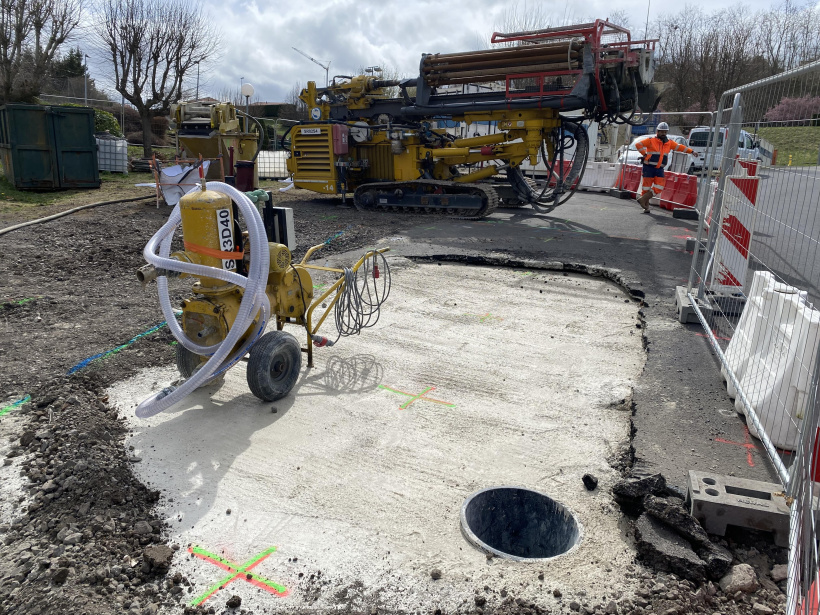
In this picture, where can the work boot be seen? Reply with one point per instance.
(643, 200)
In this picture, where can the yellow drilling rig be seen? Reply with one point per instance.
(381, 141)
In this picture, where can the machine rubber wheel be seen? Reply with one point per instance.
(187, 361)
(273, 365)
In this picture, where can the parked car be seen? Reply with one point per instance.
(748, 148)
(630, 155)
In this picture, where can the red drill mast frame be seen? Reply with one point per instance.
(593, 35)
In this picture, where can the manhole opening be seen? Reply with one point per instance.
(519, 524)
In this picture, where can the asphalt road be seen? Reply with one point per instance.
(787, 227)
(683, 418)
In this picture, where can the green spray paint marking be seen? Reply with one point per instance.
(20, 302)
(107, 353)
(524, 273)
(487, 316)
(12, 406)
(419, 397)
(236, 572)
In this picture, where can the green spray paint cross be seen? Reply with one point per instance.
(420, 397)
(236, 572)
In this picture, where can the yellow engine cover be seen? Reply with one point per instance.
(312, 161)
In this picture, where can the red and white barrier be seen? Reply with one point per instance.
(731, 259)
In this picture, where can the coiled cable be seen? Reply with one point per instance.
(362, 296)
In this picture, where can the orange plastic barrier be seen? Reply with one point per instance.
(687, 194)
(629, 178)
(669, 189)
(632, 178)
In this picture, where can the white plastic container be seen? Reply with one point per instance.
(778, 374)
(739, 350)
(763, 311)
(112, 155)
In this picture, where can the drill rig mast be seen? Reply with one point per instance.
(389, 151)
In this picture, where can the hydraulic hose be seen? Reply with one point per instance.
(254, 301)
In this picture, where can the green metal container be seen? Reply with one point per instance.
(48, 148)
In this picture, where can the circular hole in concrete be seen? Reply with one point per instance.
(709, 481)
(712, 492)
(519, 524)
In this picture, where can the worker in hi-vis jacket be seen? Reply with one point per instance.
(654, 152)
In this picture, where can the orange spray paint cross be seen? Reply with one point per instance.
(749, 446)
(420, 397)
(236, 571)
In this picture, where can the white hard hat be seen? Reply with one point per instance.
(663, 126)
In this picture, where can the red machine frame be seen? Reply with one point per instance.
(592, 34)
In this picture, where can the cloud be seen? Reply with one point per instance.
(257, 36)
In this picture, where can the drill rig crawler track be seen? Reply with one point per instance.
(387, 140)
(459, 200)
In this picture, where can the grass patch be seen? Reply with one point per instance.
(113, 186)
(799, 142)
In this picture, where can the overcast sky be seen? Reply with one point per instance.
(258, 35)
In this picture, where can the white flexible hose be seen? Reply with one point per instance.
(254, 301)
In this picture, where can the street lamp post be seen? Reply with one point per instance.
(197, 79)
(85, 74)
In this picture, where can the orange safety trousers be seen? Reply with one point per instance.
(655, 184)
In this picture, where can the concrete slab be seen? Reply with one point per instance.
(358, 483)
(683, 418)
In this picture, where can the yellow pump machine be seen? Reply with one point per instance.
(244, 280)
(391, 152)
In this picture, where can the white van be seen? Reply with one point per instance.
(747, 147)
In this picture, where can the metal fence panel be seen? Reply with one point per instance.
(755, 282)
(272, 164)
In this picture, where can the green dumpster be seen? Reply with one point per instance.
(48, 147)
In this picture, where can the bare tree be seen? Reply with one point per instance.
(152, 46)
(31, 33)
(299, 109)
(235, 97)
(704, 54)
(621, 18)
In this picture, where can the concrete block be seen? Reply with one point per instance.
(718, 501)
(691, 242)
(621, 194)
(686, 313)
(685, 213)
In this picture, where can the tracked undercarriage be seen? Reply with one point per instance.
(459, 200)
